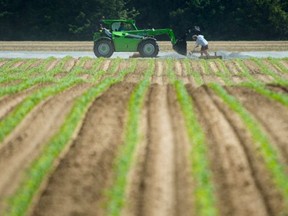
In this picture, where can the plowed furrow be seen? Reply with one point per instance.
(9, 102)
(157, 77)
(159, 181)
(138, 74)
(182, 148)
(273, 116)
(22, 146)
(271, 197)
(78, 185)
(257, 73)
(236, 188)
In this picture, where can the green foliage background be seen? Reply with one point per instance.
(78, 19)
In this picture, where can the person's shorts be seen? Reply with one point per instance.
(203, 48)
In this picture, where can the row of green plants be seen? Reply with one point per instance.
(204, 196)
(261, 87)
(261, 141)
(28, 82)
(41, 168)
(267, 150)
(10, 121)
(124, 160)
(23, 71)
(253, 83)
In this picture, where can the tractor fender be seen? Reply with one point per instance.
(108, 38)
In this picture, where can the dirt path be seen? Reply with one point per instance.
(159, 193)
(20, 148)
(236, 188)
(270, 200)
(160, 182)
(78, 184)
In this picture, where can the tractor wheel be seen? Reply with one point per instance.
(103, 48)
(148, 48)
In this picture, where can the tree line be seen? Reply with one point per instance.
(78, 19)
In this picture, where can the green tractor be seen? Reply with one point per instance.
(124, 36)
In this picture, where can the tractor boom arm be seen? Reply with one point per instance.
(180, 45)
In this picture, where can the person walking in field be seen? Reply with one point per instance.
(201, 41)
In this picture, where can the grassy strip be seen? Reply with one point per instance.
(196, 74)
(41, 167)
(205, 201)
(263, 145)
(124, 161)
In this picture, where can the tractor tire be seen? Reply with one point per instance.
(148, 48)
(103, 48)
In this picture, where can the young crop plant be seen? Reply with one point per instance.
(205, 201)
(44, 77)
(279, 80)
(124, 160)
(195, 74)
(24, 74)
(278, 64)
(223, 72)
(22, 68)
(17, 115)
(260, 87)
(7, 66)
(267, 151)
(40, 169)
(207, 70)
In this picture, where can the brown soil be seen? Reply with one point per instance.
(235, 185)
(262, 183)
(138, 74)
(78, 184)
(272, 115)
(160, 75)
(179, 71)
(3, 62)
(23, 145)
(275, 69)
(256, 72)
(160, 181)
(9, 102)
(52, 64)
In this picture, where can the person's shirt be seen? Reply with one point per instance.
(201, 40)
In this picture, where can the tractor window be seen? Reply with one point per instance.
(118, 26)
(115, 26)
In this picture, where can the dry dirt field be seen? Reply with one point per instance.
(148, 137)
